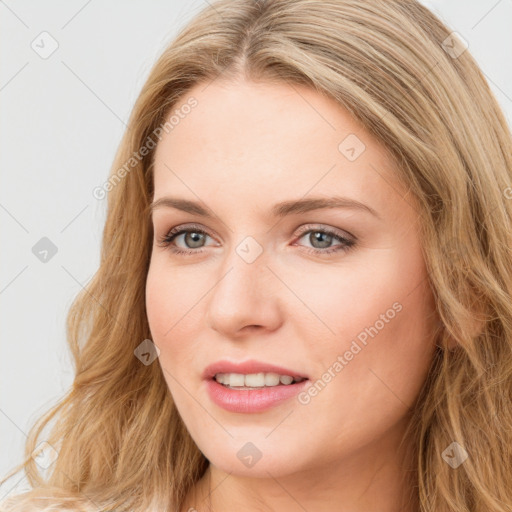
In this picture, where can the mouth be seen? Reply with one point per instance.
(254, 381)
(253, 392)
(251, 386)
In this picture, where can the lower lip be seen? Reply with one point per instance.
(251, 400)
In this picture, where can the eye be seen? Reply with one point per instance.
(193, 236)
(320, 239)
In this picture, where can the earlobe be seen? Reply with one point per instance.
(477, 326)
(477, 320)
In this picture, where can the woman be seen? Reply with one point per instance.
(304, 297)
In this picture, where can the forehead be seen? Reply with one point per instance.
(246, 141)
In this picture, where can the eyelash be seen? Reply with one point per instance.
(166, 241)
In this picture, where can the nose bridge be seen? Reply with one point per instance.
(245, 292)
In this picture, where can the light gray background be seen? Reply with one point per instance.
(62, 119)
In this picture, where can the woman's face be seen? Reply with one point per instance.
(277, 285)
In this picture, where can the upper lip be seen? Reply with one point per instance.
(247, 367)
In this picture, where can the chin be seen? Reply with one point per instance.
(256, 458)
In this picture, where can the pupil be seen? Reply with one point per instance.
(196, 239)
(317, 237)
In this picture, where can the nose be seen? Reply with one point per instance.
(246, 296)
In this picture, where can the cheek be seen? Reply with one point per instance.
(374, 367)
(341, 303)
(169, 295)
(159, 302)
(174, 316)
(379, 316)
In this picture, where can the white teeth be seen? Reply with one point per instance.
(236, 379)
(286, 379)
(271, 379)
(254, 380)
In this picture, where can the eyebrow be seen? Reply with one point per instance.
(278, 210)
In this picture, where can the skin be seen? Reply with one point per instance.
(243, 148)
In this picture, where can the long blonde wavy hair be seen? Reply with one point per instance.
(399, 70)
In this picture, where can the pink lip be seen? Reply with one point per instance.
(247, 400)
(246, 367)
(250, 400)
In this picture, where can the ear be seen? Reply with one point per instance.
(478, 320)
(476, 323)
